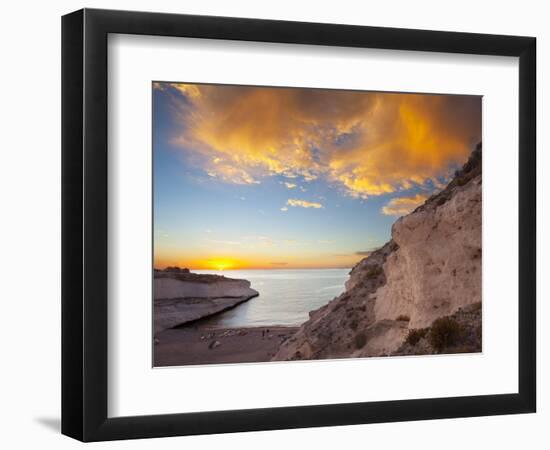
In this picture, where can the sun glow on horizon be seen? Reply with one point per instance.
(227, 264)
(251, 177)
(221, 264)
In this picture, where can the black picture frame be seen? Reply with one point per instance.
(84, 224)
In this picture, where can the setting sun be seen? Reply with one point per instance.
(277, 212)
(296, 178)
(220, 264)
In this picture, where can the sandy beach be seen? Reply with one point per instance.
(191, 345)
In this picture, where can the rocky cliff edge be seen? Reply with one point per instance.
(430, 269)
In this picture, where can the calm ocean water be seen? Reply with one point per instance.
(286, 296)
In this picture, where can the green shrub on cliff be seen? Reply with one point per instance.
(415, 335)
(444, 332)
(360, 340)
(374, 272)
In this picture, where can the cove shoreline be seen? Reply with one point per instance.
(196, 345)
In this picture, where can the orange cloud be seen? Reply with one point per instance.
(303, 203)
(367, 143)
(403, 205)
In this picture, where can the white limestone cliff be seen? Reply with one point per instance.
(166, 288)
(431, 268)
(180, 298)
(437, 268)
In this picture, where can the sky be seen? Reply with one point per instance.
(249, 177)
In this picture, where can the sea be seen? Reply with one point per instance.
(286, 296)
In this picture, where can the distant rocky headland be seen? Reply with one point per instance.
(182, 297)
(420, 293)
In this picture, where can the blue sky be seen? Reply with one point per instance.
(259, 178)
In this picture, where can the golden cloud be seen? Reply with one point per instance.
(403, 205)
(367, 143)
(290, 185)
(303, 203)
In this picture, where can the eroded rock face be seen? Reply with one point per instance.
(346, 327)
(431, 268)
(437, 268)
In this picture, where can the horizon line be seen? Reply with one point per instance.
(261, 268)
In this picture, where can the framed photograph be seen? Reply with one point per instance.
(273, 224)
